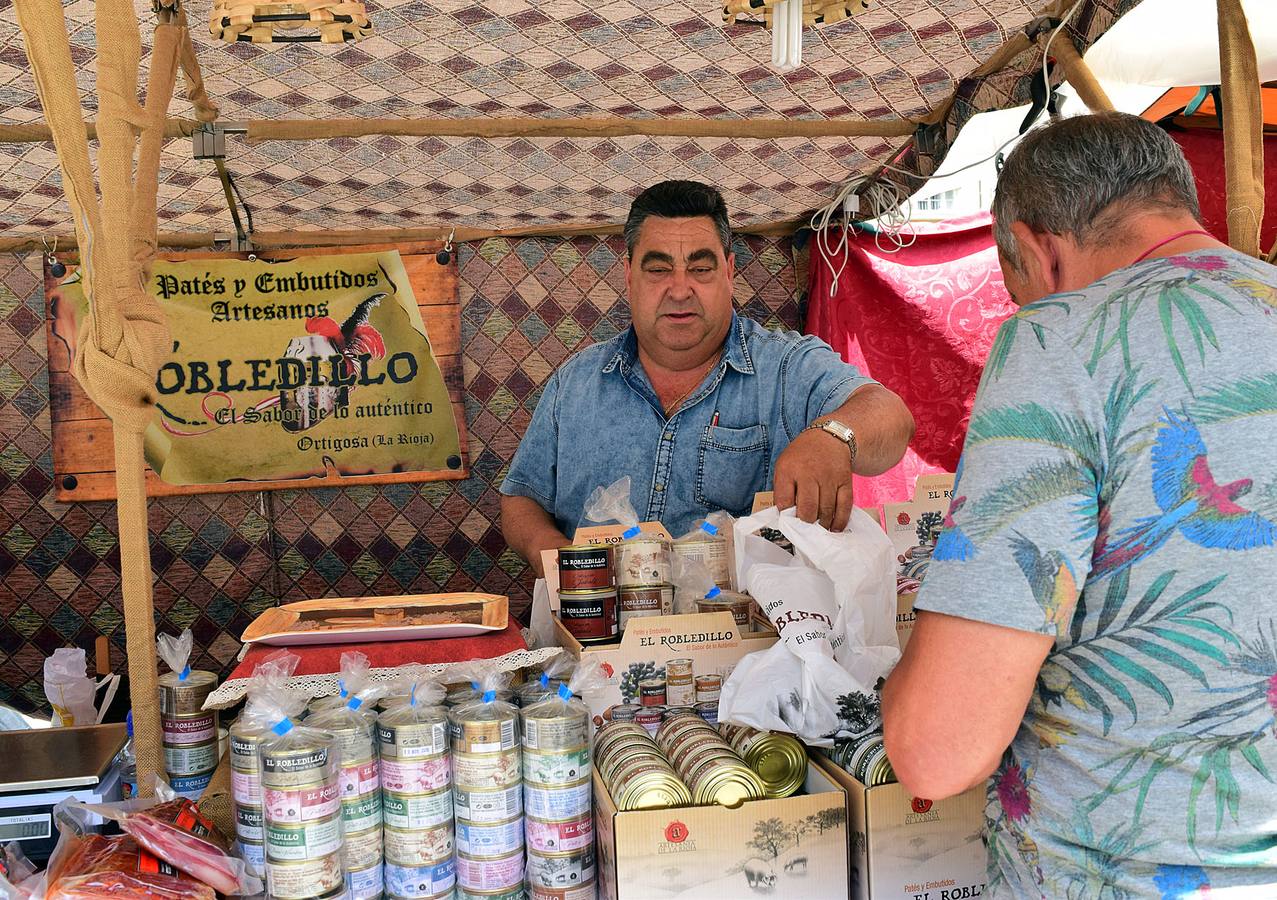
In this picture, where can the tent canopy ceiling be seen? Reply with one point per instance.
(554, 59)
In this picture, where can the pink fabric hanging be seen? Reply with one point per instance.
(921, 321)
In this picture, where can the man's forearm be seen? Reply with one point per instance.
(529, 529)
(883, 426)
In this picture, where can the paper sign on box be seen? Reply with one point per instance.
(913, 528)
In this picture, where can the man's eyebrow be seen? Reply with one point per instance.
(703, 255)
(656, 256)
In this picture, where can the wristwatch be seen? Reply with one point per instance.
(838, 430)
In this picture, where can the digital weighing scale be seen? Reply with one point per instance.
(41, 767)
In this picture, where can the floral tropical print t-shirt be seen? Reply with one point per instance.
(1118, 490)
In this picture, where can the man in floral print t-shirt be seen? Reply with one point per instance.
(1098, 629)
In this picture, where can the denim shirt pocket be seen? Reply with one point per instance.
(735, 464)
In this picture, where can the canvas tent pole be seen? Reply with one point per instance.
(1078, 74)
(1243, 128)
(123, 339)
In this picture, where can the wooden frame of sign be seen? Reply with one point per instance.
(83, 450)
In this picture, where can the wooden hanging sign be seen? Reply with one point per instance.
(300, 368)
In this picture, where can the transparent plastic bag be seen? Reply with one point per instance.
(69, 688)
(176, 651)
(692, 582)
(357, 692)
(612, 504)
(468, 736)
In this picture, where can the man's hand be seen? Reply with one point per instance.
(814, 474)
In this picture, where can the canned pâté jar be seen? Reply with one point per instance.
(711, 552)
(639, 601)
(560, 835)
(680, 685)
(586, 567)
(185, 696)
(551, 727)
(589, 616)
(643, 560)
(496, 805)
(561, 870)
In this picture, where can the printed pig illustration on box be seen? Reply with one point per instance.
(759, 874)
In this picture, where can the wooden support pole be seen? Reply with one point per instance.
(1078, 73)
(1243, 128)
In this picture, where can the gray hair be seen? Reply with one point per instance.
(1080, 176)
(678, 200)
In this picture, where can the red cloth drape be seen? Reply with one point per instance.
(921, 321)
(1204, 150)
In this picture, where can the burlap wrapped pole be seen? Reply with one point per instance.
(1243, 128)
(124, 339)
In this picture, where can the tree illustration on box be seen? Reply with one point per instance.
(770, 837)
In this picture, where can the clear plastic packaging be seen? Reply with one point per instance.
(692, 583)
(68, 687)
(612, 504)
(176, 652)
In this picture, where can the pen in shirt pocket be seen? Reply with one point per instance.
(714, 421)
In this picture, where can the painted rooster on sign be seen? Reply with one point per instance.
(1192, 502)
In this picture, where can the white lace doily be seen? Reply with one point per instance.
(231, 692)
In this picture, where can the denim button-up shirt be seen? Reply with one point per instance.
(599, 419)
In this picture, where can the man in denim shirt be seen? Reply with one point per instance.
(700, 407)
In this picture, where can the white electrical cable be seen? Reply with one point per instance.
(893, 212)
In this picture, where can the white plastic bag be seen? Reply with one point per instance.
(70, 689)
(833, 603)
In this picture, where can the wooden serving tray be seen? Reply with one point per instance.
(351, 620)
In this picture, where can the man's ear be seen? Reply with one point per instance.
(1039, 255)
(731, 267)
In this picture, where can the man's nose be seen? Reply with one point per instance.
(680, 284)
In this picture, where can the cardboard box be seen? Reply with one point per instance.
(906, 848)
(711, 641)
(795, 847)
(912, 528)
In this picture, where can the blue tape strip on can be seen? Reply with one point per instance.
(565, 692)
(631, 532)
(713, 592)
(184, 674)
(282, 727)
(489, 696)
(709, 528)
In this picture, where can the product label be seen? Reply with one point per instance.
(365, 884)
(497, 839)
(413, 741)
(555, 734)
(289, 762)
(195, 730)
(290, 881)
(254, 855)
(562, 871)
(248, 823)
(190, 760)
(490, 874)
(560, 837)
(420, 881)
(566, 802)
(483, 736)
(557, 768)
(244, 754)
(421, 847)
(580, 892)
(424, 811)
(293, 807)
(489, 806)
(361, 813)
(357, 780)
(486, 770)
(362, 848)
(246, 788)
(190, 786)
(417, 776)
(304, 842)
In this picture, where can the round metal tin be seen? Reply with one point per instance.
(361, 813)
(190, 759)
(185, 697)
(196, 729)
(248, 824)
(245, 740)
(556, 768)
(293, 843)
(708, 688)
(367, 883)
(643, 560)
(297, 766)
(622, 712)
(420, 846)
(584, 567)
(613, 731)
(559, 836)
(653, 790)
(362, 848)
(359, 779)
(729, 601)
(190, 786)
(246, 789)
(562, 802)
(488, 805)
(295, 806)
(779, 759)
(498, 730)
(354, 733)
(561, 870)
(487, 770)
(556, 726)
(416, 811)
(589, 616)
(420, 882)
(306, 880)
(499, 874)
(416, 776)
(652, 692)
(254, 855)
(576, 892)
(649, 717)
(425, 734)
(490, 839)
(711, 552)
(708, 711)
(640, 601)
(514, 893)
(680, 685)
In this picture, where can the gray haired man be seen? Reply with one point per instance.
(1098, 627)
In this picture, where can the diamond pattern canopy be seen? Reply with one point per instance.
(546, 59)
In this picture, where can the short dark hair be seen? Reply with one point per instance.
(678, 200)
(1080, 175)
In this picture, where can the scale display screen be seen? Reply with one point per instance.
(28, 827)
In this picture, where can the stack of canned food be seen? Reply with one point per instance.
(189, 733)
(359, 785)
(865, 759)
(643, 578)
(416, 796)
(246, 792)
(779, 759)
(587, 593)
(301, 807)
(708, 547)
(558, 799)
(487, 770)
(637, 775)
(711, 769)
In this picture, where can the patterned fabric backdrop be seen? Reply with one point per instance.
(220, 559)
